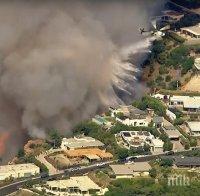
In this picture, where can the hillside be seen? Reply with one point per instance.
(170, 63)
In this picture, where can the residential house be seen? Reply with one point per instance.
(18, 171)
(171, 115)
(135, 169)
(186, 103)
(131, 116)
(197, 63)
(192, 31)
(156, 146)
(187, 162)
(135, 139)
(78, 185)
(80, 142)
(194, 128)
(158, 121)
(171, 131)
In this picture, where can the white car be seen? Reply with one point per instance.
(100, 164)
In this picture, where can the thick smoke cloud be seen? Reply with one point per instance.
(59, 60)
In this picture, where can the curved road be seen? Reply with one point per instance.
(8, 189)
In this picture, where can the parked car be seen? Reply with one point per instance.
(170, 153)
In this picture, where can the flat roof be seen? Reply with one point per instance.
(157, 142)
(197, 63)
(84, 183)
(194, 126)
(173, 133)
(131, 111)
(188, 101)
(168, 126)
(81, 142)
(17, 167)
(135, 133)
(193, 29)
(158, 119)
(129, 169)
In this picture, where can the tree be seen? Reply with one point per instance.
(173, 85)
(118, 127)
(119, 115)
(163, 137)
(193, 142)
(168, 78)
(86, 127)
(167, 145)
(153, 172)
(187, 65)
(153, 103)
(178, 121)
(166, 162)
(20, 153)
(177, 112)
(108, 113)
(122, 153)
(158, 47)
(187, 146)
(55, 137)
(146, 148)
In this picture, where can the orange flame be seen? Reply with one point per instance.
(3, 139)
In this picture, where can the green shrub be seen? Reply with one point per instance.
(168, 78)
(162, 57)
(178, 121)
(166, 162)
(151, 83)
(176, 37)
(167, 145)
(159, 79)
(153, 172)
(153, 103)
(173, 85)
(163, 70)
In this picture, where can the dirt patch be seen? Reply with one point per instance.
(101, 177)
(59, 161)
(193, 85)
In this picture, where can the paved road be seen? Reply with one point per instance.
(6, 190)
(77, 170)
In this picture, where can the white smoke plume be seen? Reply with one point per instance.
(59, 59)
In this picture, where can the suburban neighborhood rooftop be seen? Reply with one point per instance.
(84, 183)
(17, 167)
(81, 142)
(193, 29)
(194, 126)
(130, 168)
